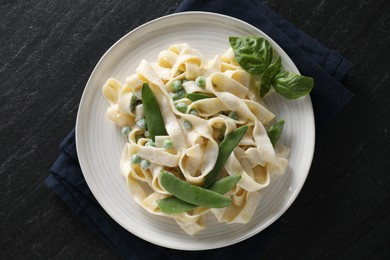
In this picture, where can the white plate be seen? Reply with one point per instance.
(100, 144)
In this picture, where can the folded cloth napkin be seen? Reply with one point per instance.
(326, 66)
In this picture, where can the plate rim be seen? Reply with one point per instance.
(243, 237)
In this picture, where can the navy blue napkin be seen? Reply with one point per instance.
(326, 66)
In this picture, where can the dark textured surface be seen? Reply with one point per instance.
(49, 48)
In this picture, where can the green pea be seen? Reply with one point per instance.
(150, 143)
(181, 106)
(178, 95)
(145, 164)
(192, 194)
(233, 115)
(200, 81)
(187, 124)
(221, 136)
(193, 112)
(173, 205)
(135, 159)
(226, 147)
(167, 144)
(176, 86)
(126, 130)
(141, 123)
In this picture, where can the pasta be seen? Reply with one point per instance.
(194, 131)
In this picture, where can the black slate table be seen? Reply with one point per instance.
(48, 50)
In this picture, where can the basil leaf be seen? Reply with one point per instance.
(291, 85)
(269, 76)
(275, 131)
(254, 54)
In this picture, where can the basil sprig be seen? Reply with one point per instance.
(268, 77)
(254, 54)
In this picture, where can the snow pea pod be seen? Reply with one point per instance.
(192, 194)
(173, 205)
(275, 131)
(226, 147)
(225, 184)
(197, 96)
(154, 119)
